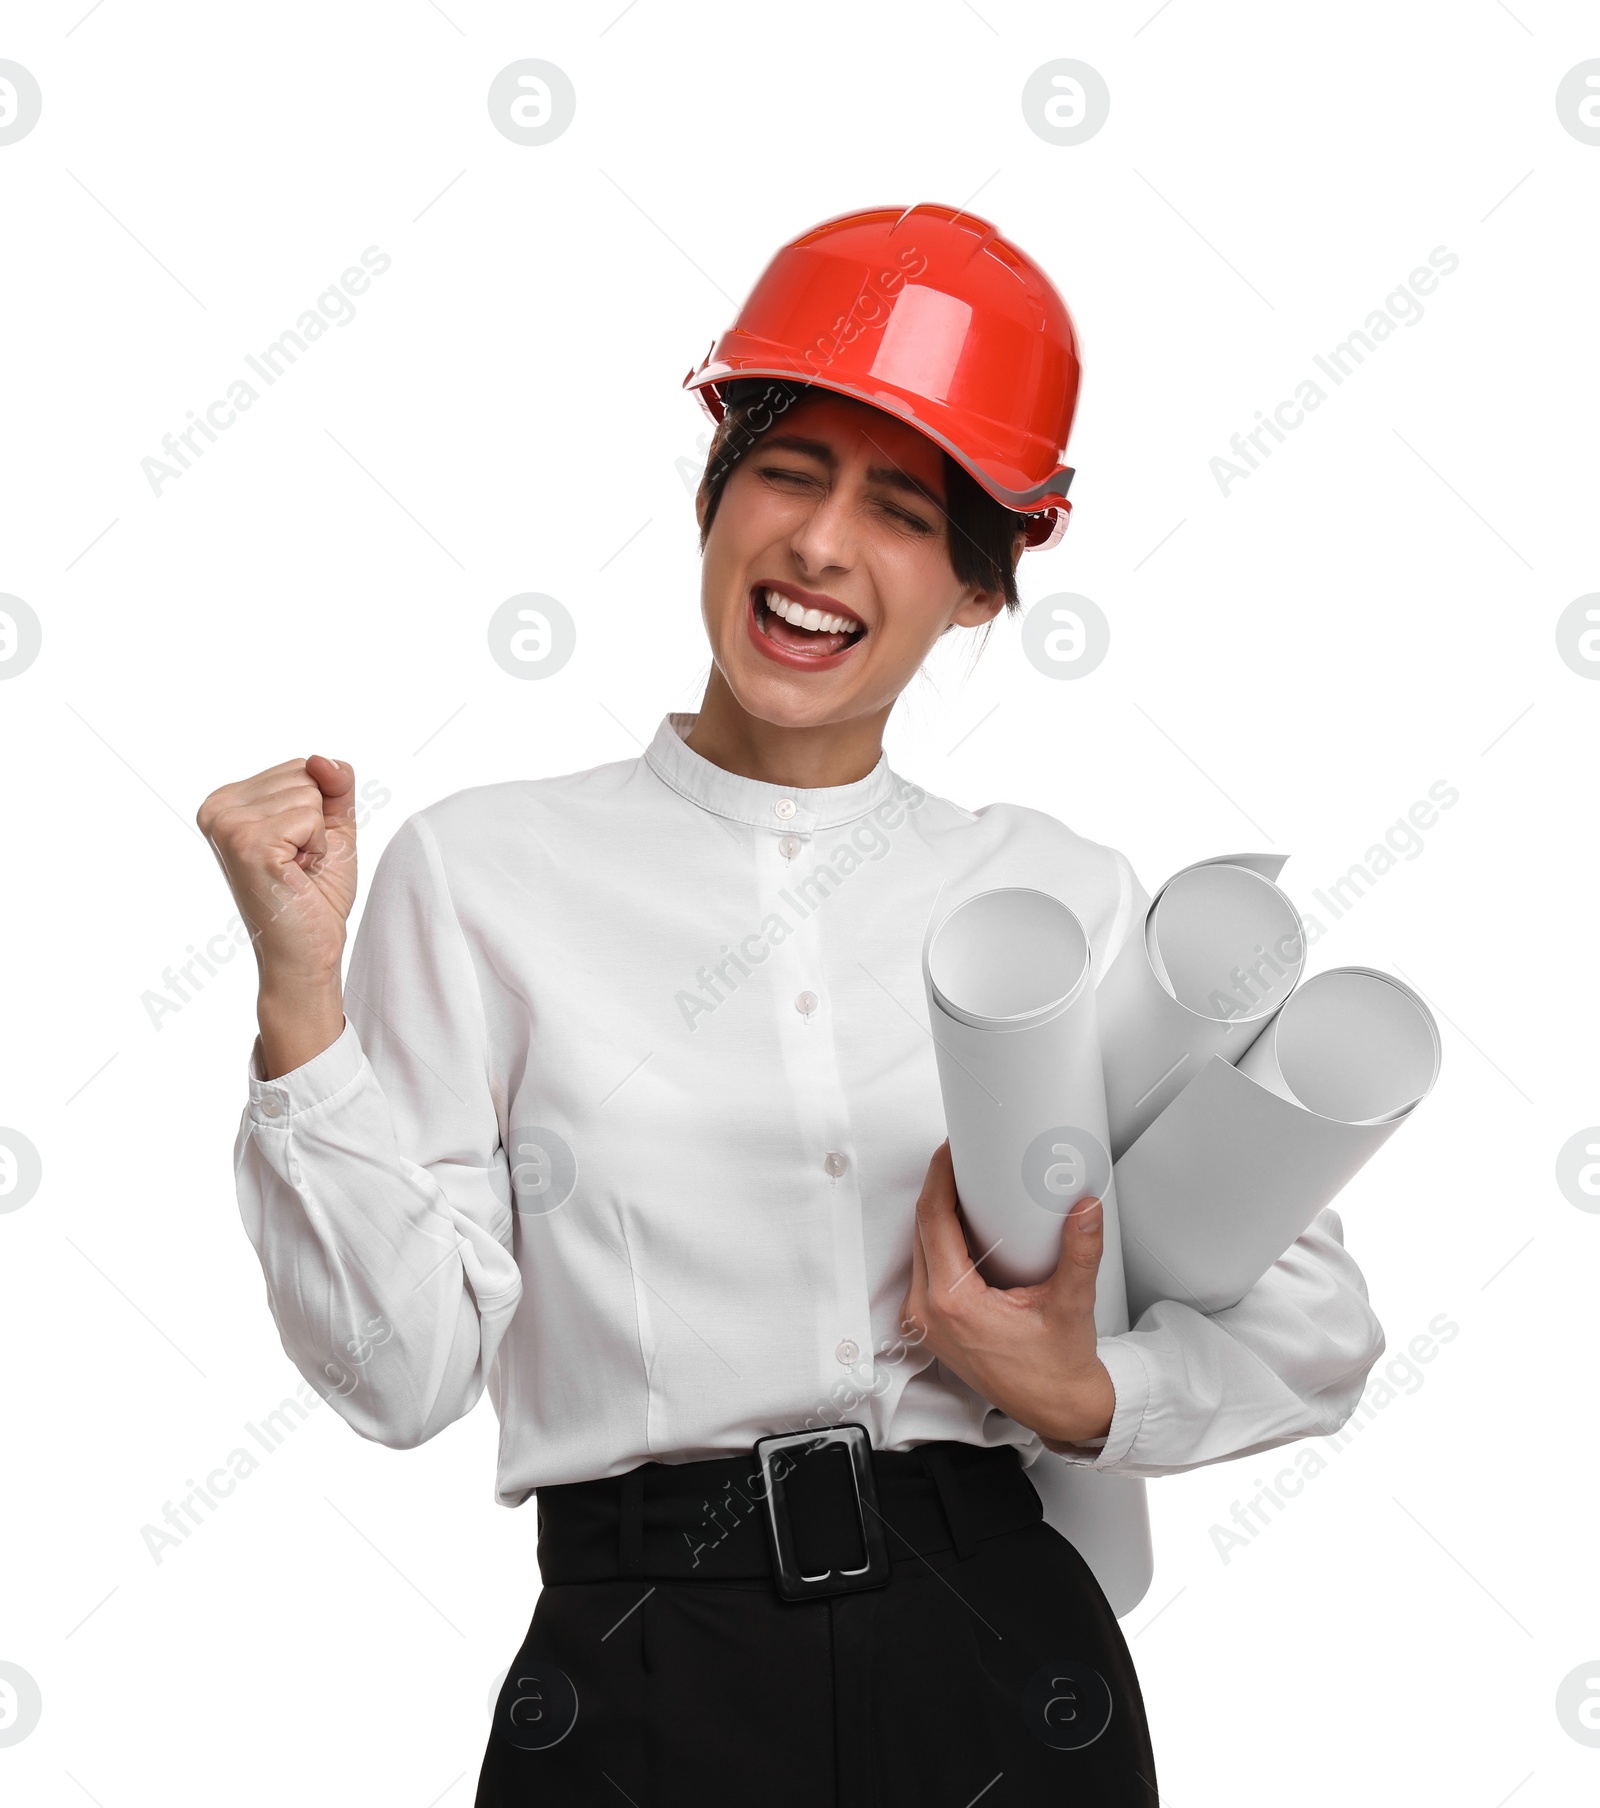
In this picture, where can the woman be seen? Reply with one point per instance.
(628, 1112)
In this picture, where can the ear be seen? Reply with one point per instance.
(700, 508)
(984, 605)
(981, 606)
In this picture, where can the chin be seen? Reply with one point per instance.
(808, 703)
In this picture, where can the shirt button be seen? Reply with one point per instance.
(788, 846)
(271, 1105)
(835, 1163)
(848, 1350)
(806, 1003)
(783, 808)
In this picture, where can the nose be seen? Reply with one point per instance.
(824, 539)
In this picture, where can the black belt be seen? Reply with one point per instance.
(818, 1513)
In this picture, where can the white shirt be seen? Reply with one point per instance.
(690, 1004)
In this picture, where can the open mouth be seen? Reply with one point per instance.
(797, 630)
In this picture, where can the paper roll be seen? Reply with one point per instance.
(1220, 949)
(1237, 1166)
(1107, 1517)
(1012, 1012)
(1007, 974)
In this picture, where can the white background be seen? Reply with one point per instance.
(1292, 665)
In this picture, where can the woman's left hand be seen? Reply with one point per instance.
(1028, 1350)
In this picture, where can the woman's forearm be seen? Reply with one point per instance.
(390, 1293)
(297, 1022)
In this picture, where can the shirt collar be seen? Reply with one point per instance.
(784, 809)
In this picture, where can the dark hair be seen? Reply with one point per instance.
(980, 532)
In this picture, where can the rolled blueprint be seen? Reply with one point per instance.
(1219, 951)
(1012, 1011)
(1236, 1167)
(1014, 1029)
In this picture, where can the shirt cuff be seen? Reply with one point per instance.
(312, 1083)
(1130, 1381)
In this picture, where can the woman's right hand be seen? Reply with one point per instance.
(286, 841)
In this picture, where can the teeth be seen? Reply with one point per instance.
(797, 615)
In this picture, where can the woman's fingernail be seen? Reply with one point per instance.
(1086, 1214)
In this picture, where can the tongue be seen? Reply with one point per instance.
(803, 640)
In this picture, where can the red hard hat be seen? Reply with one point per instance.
(930, 314)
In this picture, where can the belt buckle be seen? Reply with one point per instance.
(778, 1456)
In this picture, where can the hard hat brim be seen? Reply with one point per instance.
(1046, 502)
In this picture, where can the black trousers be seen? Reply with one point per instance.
(661, 1662)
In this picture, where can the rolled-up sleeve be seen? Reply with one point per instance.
(371, 1179)
(1289, 1361)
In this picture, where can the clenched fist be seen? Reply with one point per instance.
(286, 840)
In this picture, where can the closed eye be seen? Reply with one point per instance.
(783, 475)
(915, 522)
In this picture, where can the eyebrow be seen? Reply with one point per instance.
(891, 476)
